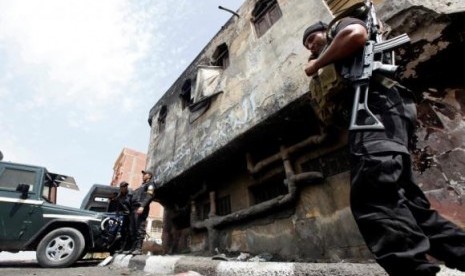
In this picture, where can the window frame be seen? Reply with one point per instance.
(161, 120)
(185, 95)
(32, 186)
(262, 16)
(221, 56)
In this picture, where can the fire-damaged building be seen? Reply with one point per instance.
(245, 165)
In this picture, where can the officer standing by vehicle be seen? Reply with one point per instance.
(121, 205)
(120, 202)
(140, 207)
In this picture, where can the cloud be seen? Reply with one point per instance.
(80, 52)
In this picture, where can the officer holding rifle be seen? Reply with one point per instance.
(391, 211)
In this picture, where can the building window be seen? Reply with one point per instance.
(156, 230)
(186, 93)
(223, 206)
(203, 210)
(264, 15)
(329, 164)
(157, 227)
(268, 190)
(162, 117)
(221, 56)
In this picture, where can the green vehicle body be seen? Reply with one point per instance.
(28, 214)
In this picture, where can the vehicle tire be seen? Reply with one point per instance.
(60, 248)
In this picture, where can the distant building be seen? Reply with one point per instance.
(128, 167)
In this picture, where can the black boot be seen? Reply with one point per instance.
(131, 248)
(137, 248)
(121, 248)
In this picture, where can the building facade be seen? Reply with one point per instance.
(128, 167)
(246, 167)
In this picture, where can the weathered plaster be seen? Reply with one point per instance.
(250, 95)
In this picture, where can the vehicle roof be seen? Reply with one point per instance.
(60, 180)
(98, 190)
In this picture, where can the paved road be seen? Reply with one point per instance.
(19, 265)
(82, 268)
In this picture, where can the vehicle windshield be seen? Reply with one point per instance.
(64, 181)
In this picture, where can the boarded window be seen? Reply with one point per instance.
(207, 82)
(264, 15)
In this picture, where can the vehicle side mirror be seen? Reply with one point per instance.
(23, 189)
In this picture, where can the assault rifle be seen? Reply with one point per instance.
(361, 69)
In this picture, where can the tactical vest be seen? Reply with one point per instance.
(329, 93)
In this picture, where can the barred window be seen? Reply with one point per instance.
(223, 206)
(329, 164)
(203, 210)
(268, 190)
(157, 227)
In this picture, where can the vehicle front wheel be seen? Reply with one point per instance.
(60, 248)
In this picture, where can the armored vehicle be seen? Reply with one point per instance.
(30, 219)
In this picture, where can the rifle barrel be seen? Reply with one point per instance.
(391, 44)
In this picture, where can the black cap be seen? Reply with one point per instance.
(318, 26)
(147, 171)
(123, 184)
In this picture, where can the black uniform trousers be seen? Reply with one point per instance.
(137, 226)
(395, 219)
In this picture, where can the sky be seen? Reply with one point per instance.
(79, 77)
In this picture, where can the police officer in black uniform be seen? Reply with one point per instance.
(140, 207)
(121, 204)
(392, 213)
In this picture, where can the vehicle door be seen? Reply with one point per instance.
(20, 216)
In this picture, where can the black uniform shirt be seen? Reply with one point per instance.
(143, 195)
(394, 107)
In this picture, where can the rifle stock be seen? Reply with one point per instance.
(361, 70)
